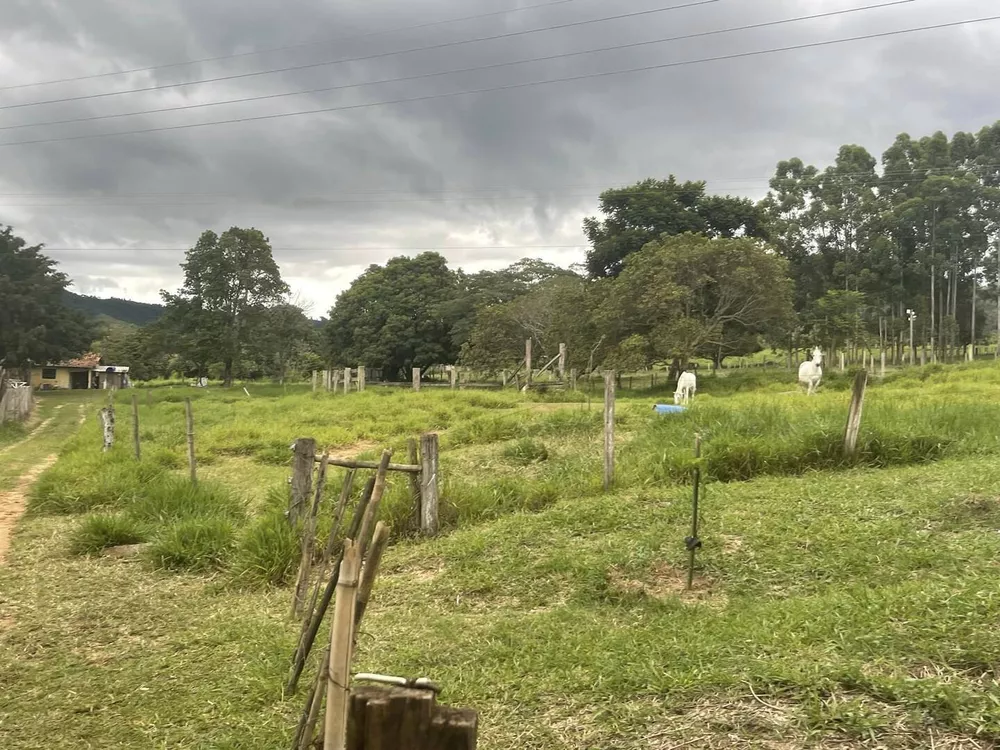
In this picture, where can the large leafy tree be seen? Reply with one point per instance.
(286, 340)
(396, 316)
(229, 281)
(647, 210)
(36, 326)
(691, 296)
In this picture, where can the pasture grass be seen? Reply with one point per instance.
(837, 602)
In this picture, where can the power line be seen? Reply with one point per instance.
(91, 202)
(300, 45)
(432, 248)
(442, 45)
(493, 66)
(617, 185)
(508, 87)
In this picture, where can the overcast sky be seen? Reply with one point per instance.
(517, 168)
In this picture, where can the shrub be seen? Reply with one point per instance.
(268, 553)
(526, 451)
(194, 544)
(100, 531)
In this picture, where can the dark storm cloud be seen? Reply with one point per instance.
(324, 186)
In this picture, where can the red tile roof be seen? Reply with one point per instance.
(89, 360)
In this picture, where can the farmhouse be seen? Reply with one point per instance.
(80, 373)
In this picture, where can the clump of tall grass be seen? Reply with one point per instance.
(102, 530)
(525, 451)
(81, 481)
(174, 498)
(267, 552)
(194, 545)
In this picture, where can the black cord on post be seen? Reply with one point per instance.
(693, 543)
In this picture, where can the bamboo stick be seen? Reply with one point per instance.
(341, 640)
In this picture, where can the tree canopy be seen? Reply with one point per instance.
(36, 326)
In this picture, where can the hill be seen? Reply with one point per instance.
(123, 310)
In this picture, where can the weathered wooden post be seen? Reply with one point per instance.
(189, 415)
(338, 684)
(308, 542)
(429, 523)
(347, 380)
(503, 378)
(452, 376)
(854, 414)
(414, 458)
(315, 380)
(572, 379)
(334, 380)
(882, 365)
(303, 460)
(391, 716)
(527, 364)
(609, 429)
(362, 378)
(416, 379)
(840, 355)
(107, 419)
(562, 362)
(135, 426)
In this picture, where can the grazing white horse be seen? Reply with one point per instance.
(687, 384)
(811, 372)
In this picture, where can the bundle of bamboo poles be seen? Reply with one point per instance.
(344, 576)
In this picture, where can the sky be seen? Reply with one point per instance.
(490, 160)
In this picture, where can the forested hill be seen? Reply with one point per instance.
(126, 311)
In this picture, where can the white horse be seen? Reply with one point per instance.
(811, 372)
(687, 384)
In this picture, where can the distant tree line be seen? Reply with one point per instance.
(841, 256)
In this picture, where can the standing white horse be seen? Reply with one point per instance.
(811, 372)
(687, 384)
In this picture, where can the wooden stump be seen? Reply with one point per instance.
(387, 718)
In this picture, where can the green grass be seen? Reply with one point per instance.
(99, 531)
(837, 602)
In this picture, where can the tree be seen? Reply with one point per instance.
(396, 316)
(691, 296)
(641, 213)
(36, 327)
(137, 348)
(480, 290)
(285, 338)
(229, 280)
(560, 310)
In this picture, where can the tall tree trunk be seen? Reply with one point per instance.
(933, 343)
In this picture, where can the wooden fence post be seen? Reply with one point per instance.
(527, 364)
(572, 379)
(107, 417)
(429, 484)
(854, 414)
(189, 415)
(389, 717)
(347, 380)
(315, 380)
(840, 355)
(334, 380)
(135, 425)
(303, 460)
(362, 378)
(562, 362)
(882, 365)
(414, 458)
(452, 376)
(416, 379)
(338, 682)
(609, 429)
(308, 544)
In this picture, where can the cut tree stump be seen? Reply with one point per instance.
(388, 718)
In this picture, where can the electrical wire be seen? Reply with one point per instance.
(494, 66)
(306, 66)
(285, 48)
(508, 87)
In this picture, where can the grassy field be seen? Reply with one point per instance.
(837, 604)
